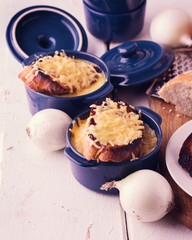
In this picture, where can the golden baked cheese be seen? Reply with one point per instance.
(77, 76)
(114, 125)
(78, 133)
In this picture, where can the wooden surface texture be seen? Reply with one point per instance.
(171, 121)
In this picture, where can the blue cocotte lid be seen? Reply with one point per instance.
(135, 63)
(44, 29)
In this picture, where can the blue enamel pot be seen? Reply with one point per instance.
(71, 105)
(114, 27)
(42, 30)
(93, 174)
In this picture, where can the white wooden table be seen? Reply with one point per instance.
(39, 197)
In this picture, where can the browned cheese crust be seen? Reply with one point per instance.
(112, 153)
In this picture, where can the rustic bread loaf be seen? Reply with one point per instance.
(178, 91)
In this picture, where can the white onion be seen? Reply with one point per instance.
(47, 129)
(145, 195)
(172, 27)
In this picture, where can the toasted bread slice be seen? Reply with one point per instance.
(61, 75)
(185, 155)
(114, 133)
(41, 82)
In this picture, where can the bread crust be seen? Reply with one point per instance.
(112, 153)
(184, 77)
(172, 83)
(185, 155)
(40, 82)
(177, 91)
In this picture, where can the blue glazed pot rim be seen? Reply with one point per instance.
(82, 161)
(106, 87)
(60, 23)
(115, 15)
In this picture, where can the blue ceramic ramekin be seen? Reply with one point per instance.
(115, 27)
(93, 174)
(71, 105)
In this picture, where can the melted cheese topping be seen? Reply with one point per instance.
(114, 125)
(80, 76)
(78, 133)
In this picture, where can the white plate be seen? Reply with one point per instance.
(180, 176)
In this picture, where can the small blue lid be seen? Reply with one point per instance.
(137, 62)
(44, 29)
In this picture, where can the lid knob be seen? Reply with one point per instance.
(127, 49)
